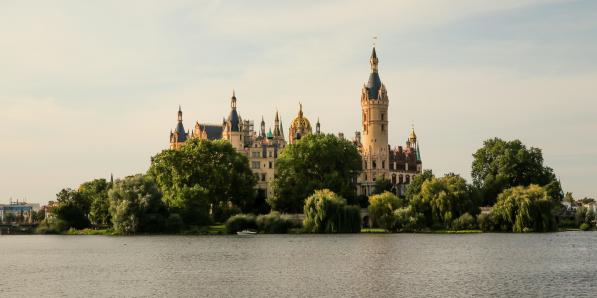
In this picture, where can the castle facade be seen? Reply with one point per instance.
(380, 161)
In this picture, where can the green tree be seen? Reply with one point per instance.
(315, 162)
(203, 174)
(526, 209)
(414, 187)
(136, 206)
(382, 185)
(500, 164)
(72, 208)
(569, 198)
(381, 210)
(326, 212)
(444, 199)
(406, 219)
(96, 192)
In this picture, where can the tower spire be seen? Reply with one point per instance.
(233, 100)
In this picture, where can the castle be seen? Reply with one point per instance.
(398, 165)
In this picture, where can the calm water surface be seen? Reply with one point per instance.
(403, 265)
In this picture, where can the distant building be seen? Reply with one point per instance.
(18, 211)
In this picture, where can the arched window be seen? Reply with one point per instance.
(393, 178)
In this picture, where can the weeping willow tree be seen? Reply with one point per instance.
(327, 212)
(525, 209)
(443, 200)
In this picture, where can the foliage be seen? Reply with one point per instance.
(223, 211)
(315, 162)
(241, 222)
(464, 222)
(381, 210)
(72, 209)
(51, 226)
(486, 222)
(444, 199)
(201, 174)
(96, 192)
(326, 212)
(586, 200)
(174, 223)
(382, 185)
(584, 226)
(500, 164)
(525, 209)
(407, 220)
(414, 187)
(136, 206)
(273, 223)
(584, 215)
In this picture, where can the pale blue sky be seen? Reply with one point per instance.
(92, 88)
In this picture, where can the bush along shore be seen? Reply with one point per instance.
(206, 187)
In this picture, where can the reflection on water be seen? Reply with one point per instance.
(555, 264)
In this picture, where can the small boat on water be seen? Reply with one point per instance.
(246, 233)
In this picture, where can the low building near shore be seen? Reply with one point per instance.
(18, 211)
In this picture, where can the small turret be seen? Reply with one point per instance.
(262, 130)
(318, 127)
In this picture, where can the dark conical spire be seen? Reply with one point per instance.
(262, 131)
(182, 135)
(374, 83)
(233, 100)
(277, 131)
(374, 61)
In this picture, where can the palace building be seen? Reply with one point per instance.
(380, 161)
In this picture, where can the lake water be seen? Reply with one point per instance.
(374, 265)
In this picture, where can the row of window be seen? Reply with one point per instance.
(393, 166)
(262, 154)
(400, 179)
(257, 165)
(261, 177)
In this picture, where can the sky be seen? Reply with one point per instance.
(90, 88)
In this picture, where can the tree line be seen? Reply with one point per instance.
(206, 182)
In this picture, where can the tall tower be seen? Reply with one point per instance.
(374, 105)
(232, 126)
(178, 136)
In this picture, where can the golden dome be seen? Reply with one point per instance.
(412, 136)
(301, 123)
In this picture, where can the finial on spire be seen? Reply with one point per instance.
(374, 40)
